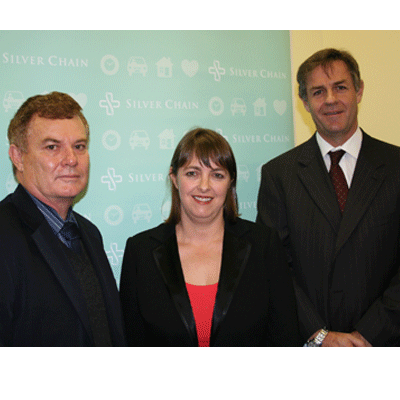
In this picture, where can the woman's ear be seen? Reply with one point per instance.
(172, 176)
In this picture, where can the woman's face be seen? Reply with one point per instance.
(202, 190)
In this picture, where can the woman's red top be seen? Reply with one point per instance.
(202, 299)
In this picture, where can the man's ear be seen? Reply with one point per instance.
(360, 92)
(306, 106)
(16, 156)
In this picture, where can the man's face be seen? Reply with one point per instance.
(55, 166)
(332, 102)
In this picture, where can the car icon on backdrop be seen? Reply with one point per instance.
(238, 105)
(141, 211)
(139, 138)
(137, 64)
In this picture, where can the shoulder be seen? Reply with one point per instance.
(157, 234)
(250, 230)
(87, 225)
(288, 159)
(377, 153)
(370, 142)
(11, 222)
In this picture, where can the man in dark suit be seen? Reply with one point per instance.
(339, 220)
(56, 285)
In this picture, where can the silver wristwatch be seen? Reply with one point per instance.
(317, 341)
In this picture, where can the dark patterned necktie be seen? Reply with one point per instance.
(71, 234)
(338, 178)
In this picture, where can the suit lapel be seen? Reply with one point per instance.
(313, 174)
(369, 174)
(51, 249)
(168, 263)
(58, 262)
(95, 250)
(235, 254)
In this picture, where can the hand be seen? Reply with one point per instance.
(340, 339)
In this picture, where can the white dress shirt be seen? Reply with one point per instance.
(348, 161)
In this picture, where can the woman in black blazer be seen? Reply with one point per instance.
(206, 277)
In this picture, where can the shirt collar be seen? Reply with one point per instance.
(51, 215)
(351, 146)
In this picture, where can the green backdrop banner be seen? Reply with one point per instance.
(141, 91)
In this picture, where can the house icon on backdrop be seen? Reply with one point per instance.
(164, 68)
(260, 108)
(167, 139)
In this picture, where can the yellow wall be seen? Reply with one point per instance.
(378, 56)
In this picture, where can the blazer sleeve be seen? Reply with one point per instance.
(272, 213)
(284, 326)
(134, 325)
(6, 300)
(271, 209)
(380, 325)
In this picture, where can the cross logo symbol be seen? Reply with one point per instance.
(111, 179)
(109, 103)
(114, 255)
(217, 71)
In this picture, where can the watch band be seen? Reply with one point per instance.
(317, 341)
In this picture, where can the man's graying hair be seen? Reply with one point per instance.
(325, 58)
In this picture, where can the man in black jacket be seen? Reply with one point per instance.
(56, 285)
(339, 220)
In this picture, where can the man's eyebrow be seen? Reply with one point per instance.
(50, 139)
(334, 84)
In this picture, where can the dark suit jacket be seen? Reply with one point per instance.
(346, 269)
(40, 300)
(255, 302)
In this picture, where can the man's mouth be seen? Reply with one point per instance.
(69, 176)
(330, 113)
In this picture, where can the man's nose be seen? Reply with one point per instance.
(70, 157)
(330, 96)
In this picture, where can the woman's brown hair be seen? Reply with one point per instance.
(208, 146)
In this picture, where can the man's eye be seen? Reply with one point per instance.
(51, 147)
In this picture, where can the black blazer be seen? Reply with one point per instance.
(255, 302)
(40, 300)
(346, 269)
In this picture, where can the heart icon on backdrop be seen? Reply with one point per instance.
(280, 106)
(190, 68)
(81, 98)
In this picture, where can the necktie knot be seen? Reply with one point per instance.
(336, 156)
(70, 231)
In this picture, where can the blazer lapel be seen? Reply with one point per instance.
(105, 276)
(59, 264)
(369, 174)
(51, 249)
(167, 260)
(235, 254)
(314, 176)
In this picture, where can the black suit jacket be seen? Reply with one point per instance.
(40, 300)
(346, 269)
(255, 302)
